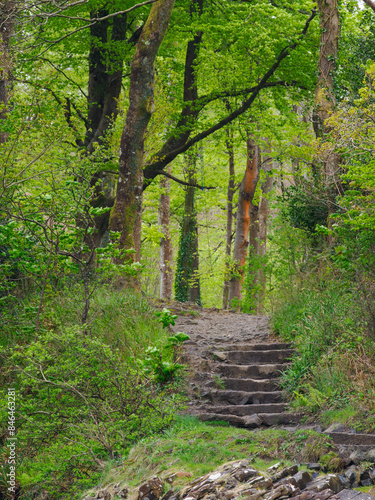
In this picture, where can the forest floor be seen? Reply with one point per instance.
(211, 460)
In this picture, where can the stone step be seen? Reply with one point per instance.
(264, 419)
(280, 418)
(250, 385)
(252, 371)
(279, 346)
(350, 438)
(243, 397)
(261, 357)
(242, 410)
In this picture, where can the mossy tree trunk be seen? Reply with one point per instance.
(241, 242)
(187, 285)
(128, 202)
(7, 19)
(325, 100)
(166, 249)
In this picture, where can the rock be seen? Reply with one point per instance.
(103, 495)
(244, 474)
(273, 468)
(335, 428)
(330, 481)
(168, 495)
(344, 481)
(352, 475)
(287, 471)
(219, 355)
(252, 421)
(358, 456)
(151, 490)
(314, 466)
(261, 482)
(171, 478)
(284, 490)
(252, 494)
(302, 478)
(371, 473)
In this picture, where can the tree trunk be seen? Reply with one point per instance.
(258, 244)
(7, 18)
(190, 111)
(128, 201)
(325, 100)
(187, 285)
(166, 250)
(370, 3)
(246, 195)
(230, 193)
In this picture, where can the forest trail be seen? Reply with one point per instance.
(235, 364)
(234, 369)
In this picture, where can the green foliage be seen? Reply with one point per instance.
(196, 448)
(158, 361)
(166, 318)
(305, 206)
(186, 253)
(79, 403)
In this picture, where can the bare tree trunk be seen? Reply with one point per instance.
(325, 100)
(128, 201)
(7, 19)
(258, 242)
(187, 284)
(166, 250)
(246, 195)
(230, 193)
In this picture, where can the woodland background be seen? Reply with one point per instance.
(218, 152)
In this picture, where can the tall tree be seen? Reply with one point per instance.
(128, 202)
(229, 225)
(259, 212)
(166, 248)
(7, 19)
(241, 242)
(187, 284)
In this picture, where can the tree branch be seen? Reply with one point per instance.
(192, 184)
(150, 171)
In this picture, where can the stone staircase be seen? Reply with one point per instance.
(235, 369)
(244, 387)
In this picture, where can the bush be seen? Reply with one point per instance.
(78, 400)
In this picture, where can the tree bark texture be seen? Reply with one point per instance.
(166, 249)
(258, 243)
(241, 242)
(230, 193)
(189, 111)
(187, 284)
(128, 202)
(325, 100)
(7, 18)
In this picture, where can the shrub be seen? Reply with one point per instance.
(78, 399)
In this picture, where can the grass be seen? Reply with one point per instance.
(190, 449)
(122, 318)
(333, 375)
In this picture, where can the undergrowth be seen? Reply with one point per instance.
(84, 393)
(333, 373)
